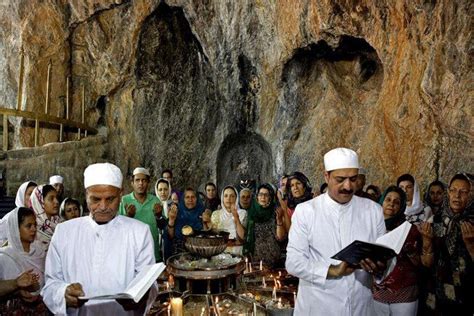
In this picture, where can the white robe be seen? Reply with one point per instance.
(103, 258)
(320, 228)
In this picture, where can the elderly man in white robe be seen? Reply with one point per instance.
(321, 227)
(99, 254)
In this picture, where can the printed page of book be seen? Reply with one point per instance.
(395, 238)
(138, 287)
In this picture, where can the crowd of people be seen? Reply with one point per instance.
(55, 251)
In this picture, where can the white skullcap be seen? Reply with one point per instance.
(56, 179)
(141, 170)
(103, 174)
(341, 158)
(362, 171)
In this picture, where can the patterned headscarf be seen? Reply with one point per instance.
(451, 222)
(45, 226)
(308, 195)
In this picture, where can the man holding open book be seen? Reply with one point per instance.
(321, 228)
(98, 255)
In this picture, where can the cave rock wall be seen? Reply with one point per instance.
(206, 86)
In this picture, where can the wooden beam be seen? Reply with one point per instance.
(61, 131)
(36, 133)
(48, 88)
(47, 118)
(20, 80)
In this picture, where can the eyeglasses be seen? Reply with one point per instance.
(264, 194)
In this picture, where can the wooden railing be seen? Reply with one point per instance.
(44, 117)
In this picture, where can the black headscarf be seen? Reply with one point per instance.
(308, 195)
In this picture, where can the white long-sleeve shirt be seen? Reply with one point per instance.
(102, 258)
(320, 228)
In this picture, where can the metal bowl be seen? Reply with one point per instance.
(206, 243)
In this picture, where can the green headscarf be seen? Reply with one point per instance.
(258, 214)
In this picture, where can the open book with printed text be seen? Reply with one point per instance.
(385, 247)
(138, 287)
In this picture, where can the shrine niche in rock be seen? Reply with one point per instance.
(244, 157)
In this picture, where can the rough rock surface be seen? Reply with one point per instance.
(221, 89)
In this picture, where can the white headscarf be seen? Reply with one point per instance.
(19, 202)
(226, 218)
(416, 204)
(24, 260)
(20, 194)
(45, 226)
(63, 206)
(168, 201)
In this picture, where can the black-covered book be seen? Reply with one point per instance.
(385, 247)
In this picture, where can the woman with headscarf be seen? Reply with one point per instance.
(45, 203)
(451, 251)
(23, 254)
(397, 293)
(265, 227)
(70, 208)
(232, 219)
(24, 193)
(298, 190)
(212, 200)
(163, 192)
(435, 195)
(374, 192)
(189, 212)
(415, 211)
(22, 200)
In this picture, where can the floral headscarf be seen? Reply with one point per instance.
(45, 226)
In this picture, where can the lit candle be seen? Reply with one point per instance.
(250, 265)
(246, 264)
(217, 306)
(263, 282)
(261, 265)
(294, 298)
(171, 281)
(280, 305)
(254, 309)
(279, 274)
(203, 310)
(274, 293)
(177, 306)
(169, 310)
(167, 286)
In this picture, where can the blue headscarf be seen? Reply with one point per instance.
(186, 216)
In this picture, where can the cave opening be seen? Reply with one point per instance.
(244, 156)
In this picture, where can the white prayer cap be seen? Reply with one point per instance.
(341, 158)
(362, 171)
(56, 179)
(103, 174)
(141, 170)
